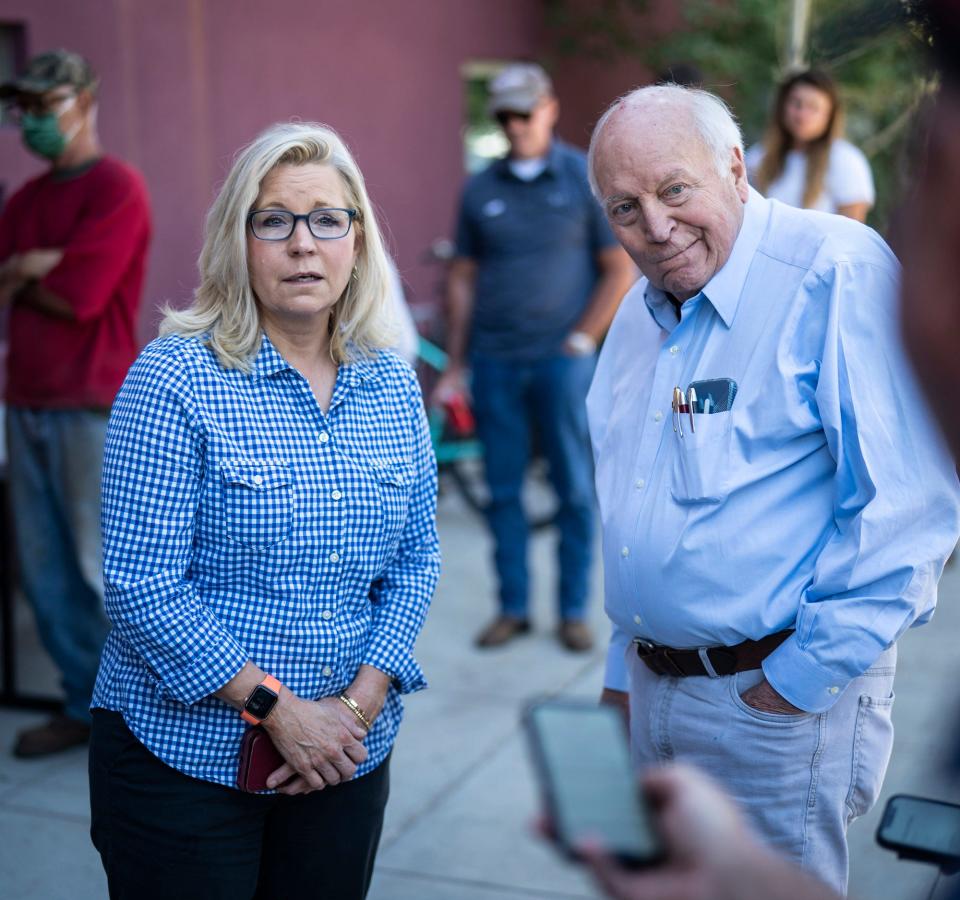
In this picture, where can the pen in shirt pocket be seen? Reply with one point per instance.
(675, 404)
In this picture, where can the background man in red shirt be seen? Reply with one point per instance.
(73, 248)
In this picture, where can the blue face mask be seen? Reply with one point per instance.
(42, 135)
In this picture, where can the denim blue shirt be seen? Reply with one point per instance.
(535, 244)
(241, 522)
(823, 500)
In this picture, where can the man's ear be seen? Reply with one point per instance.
(738, 168)
(85, 100)
(554, 110)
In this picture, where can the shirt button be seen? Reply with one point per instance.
(334, 557)
(258, 479)
(657, 416)
(624, 551)
(327, 614)
(336, 495)
(639, 483)
(324, 437)
(327, 671)
(638, 620)
(834, 690)
(674, 350)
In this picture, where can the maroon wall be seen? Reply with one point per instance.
(186, 82)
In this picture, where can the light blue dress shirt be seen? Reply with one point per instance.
(823, 500)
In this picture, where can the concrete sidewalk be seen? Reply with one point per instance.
(458, 823)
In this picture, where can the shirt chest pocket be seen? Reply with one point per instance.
(394, 482)
(701, 459)
(257, 501)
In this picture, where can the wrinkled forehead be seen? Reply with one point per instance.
(642, 145)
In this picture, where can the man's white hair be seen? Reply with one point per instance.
(712, 118)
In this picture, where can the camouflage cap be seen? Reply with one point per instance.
(518, 88)
(50, 70)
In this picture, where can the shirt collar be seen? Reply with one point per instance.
(270, 362)
(552, 167)
(724, 289)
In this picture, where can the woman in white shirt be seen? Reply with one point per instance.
(803, 160)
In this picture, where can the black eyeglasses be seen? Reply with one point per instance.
(504, 116)
(278, 224)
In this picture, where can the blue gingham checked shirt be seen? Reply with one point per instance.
(242, 522)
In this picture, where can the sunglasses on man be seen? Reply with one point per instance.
(505, 115)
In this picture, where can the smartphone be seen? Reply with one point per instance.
(715, 395)
(920, 829)
(590, 791)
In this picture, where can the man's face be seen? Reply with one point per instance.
(673, 212)
(530, 133)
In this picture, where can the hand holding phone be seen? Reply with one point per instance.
(590, 791)
(923, 830)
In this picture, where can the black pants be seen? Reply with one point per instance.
(163, 834)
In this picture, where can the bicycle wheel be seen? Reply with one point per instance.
(539, 503)
(467, 475)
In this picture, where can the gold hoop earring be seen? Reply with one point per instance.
(354, 275)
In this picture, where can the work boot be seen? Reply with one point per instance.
(58, 734)
(575, 635)
(501, 630)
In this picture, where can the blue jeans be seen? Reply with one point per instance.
(548, 395)
(801, 779)
(54, 462)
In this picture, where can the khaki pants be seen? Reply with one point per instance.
(801, 779)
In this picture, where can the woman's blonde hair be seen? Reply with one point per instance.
(224, 309)
(778, 142)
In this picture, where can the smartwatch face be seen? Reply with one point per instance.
(261, 702)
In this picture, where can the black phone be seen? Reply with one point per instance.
(714, 395)
(920, 829)
(588, 785)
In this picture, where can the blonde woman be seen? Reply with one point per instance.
(270, 550)
(803, 160)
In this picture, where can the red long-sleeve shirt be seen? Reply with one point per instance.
(101, 221)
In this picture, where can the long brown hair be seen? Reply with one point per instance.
(777, 141)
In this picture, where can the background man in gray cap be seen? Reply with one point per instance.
(534, 285)
(73, 248)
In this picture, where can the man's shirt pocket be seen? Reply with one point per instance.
(701, 459)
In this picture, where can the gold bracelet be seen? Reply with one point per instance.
(354, 707)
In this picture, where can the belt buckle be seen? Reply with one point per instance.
(723, 662)
(645, 647)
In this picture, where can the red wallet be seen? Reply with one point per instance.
(258, 759)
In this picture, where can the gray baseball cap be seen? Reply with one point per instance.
(50, 70)
(518, 88)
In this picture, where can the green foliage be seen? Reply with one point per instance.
(596, 29)
(872, 47)
(737, 46)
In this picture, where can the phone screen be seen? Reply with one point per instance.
(590, 786)
(925, 825)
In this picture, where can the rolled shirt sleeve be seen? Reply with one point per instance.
(401, 594)
(151, 489)
(895, 497)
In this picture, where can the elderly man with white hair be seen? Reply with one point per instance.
(777, 507)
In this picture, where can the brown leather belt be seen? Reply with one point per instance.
(712, 661)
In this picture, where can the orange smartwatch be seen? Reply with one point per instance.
(261, 701)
